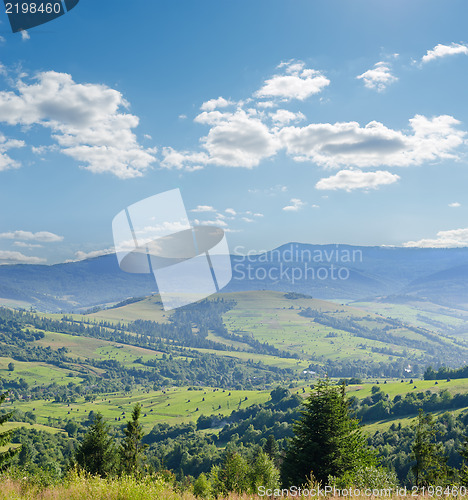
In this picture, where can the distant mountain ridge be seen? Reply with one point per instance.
(323, 271)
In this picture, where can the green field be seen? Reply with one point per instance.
(400, 388)
(172, 405)
(269, 317)
(424, 314)
(272, 318)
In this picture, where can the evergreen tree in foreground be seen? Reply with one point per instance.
(5, 438)
(97, 454)
(431, 463)
(131, 448)
(327, 441)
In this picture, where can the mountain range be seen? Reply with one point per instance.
(343, 272)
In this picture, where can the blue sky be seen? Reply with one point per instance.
(312, 121)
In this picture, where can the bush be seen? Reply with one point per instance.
(366, 477)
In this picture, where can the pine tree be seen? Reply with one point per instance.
(327, 441)
(131, 448)
(464, 468)
(97, 454)
(271, 447)
(431, 463)
(5, 438)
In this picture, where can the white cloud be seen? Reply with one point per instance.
(454, 204)
(182, 159)
(41, 150)
(231, 211)
(271, 191)
(296, 82)
(379, 77)
(441, 50)
(80, 255)
(213, 104)
(282, 117)
(22, 244)
(265, 104)
(203, 208)
(357, 179)
(42, 236)
(6, 162)
(214, 222)
(295, 205)
(245, 136)
(453, 238)
(349, 144)
(237, 139)
(86, 120)
(25, 36)
(8, 257)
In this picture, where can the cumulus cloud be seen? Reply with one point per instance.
(6, 162)
(282, 117)
(271, 191)
(80, 255)
(455, 204)
(230, 211)
(86, 120)
(203, 208)
(379, 77)
(357, 179)
(25, 36)
(213, 104)
(295, 82)
(441, 50)
(9, 257)
(213, 222)
(22, 244)
(295, 205)
(42, 236)
(454, 238)
(349, 144)
(246, 135)
(238, 139)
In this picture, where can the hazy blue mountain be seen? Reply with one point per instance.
(323, 271)
(447, 287)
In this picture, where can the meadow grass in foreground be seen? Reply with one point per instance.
(129, 488)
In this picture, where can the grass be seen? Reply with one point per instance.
(38, 427)
(423, 314)
(127, 488)
(93, 488)
(384, 425)
(264, 358)
(37, 373)
(173, 405)
(400, 388)
(269, 317)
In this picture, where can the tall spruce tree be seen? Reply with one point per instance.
(96, 454)
(5, 438)
(131, 448)
(327, 440)
(431, 463)
(464, 468)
